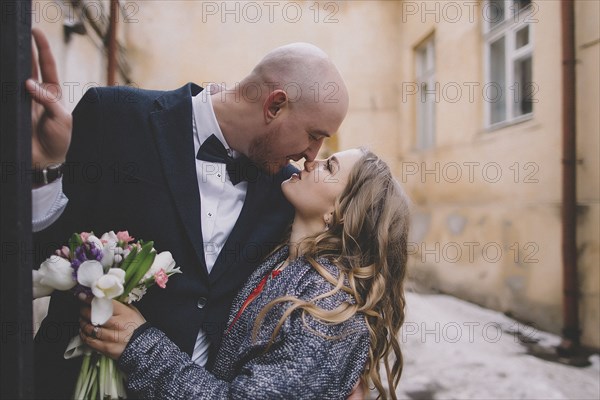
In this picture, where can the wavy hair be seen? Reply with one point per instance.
(367, 241)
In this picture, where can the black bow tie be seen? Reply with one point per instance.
(212, 150)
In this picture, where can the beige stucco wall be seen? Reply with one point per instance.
(506, 227)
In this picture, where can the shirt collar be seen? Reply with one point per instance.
(205, 120)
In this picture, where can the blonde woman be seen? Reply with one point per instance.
(318, 315)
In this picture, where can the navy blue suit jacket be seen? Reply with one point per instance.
(131, 165)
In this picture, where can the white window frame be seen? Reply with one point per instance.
(508, 28)
(425, 75)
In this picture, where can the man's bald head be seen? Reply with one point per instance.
(299, 67)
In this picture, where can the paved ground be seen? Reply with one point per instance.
(456, 350)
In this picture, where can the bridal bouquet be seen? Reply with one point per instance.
(112, 266)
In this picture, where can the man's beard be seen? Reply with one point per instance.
(260, 154)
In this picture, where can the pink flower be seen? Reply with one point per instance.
(124, 236)
(161, 278)
(84, 236)
(63, 252)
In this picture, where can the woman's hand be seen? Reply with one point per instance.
(112, 337)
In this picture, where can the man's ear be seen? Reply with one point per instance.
(275, 102)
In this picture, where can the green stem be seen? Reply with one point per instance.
(80, 379)
(84, 388)
(94, 390)
(86, 372)
(102, 378)
(91, 383)
(113, 380)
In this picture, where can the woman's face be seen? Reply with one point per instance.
(313, 191)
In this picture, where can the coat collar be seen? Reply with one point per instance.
(171, 121)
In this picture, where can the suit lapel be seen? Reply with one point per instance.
(172, 127)
(239, 242)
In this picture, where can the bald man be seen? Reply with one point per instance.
(198, 171)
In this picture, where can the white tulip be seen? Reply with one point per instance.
(40, 290)
(110, 237)
(54, 273)
(110, 285)
(104, 287)
(162, 261)
(108, 254)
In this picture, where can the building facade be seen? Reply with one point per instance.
(462, 98)
(480, 121)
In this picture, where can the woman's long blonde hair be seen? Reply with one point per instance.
(367, 241)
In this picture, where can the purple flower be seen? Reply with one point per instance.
(80, 253)
(95, 253)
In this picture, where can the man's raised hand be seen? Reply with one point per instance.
(51, 122)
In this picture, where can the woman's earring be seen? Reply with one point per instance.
(327, 219)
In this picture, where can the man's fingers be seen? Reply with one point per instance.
(46, 58)
(35, 72)
(46, 95)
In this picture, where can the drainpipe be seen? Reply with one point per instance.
(571, 331)
(112, 43)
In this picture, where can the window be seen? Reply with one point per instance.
(425, 68)
(509, 88)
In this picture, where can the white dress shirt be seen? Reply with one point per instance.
(220, 201)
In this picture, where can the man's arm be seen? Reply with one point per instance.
(51, 121)
(51, 131)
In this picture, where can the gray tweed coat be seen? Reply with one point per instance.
(308, 359)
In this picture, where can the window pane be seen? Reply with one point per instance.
(520, 5)
(524, 87)
(422, 119)
(431, 120)
(493, 12)
(425, 116)
(522, 37)
(496, 89)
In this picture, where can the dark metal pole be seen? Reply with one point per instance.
(571, 331)
(16, 345)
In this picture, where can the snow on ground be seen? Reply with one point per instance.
(457, 350)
